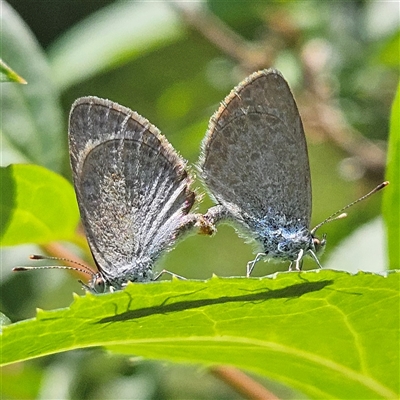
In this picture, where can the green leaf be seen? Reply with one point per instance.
(37, 206)
(327, 334)
(31, 119)
(109, 38)
(389, 53)
(391, 199)
(8, 75)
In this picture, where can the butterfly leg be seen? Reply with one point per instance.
(187, 223)
(251, 264)
(298, 262)
(314, 256)
(164, 271)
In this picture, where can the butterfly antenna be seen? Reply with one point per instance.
(81, 267)
(340, 214)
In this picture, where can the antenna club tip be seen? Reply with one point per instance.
(17, 269)
(341, 216)
(383, 184)
(380, 186)
(36, 257)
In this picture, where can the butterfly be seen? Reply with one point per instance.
(133, 192)
(254, 162)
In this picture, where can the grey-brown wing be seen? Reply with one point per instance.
(131, 185)
(254, 157)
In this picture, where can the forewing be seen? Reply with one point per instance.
(254, 157)
(131, 185)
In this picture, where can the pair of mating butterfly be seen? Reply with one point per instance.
(134, 192)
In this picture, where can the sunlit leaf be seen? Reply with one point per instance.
(389, 54)
(9, 75)
(327, 334)
(391, 200)
(37, 206)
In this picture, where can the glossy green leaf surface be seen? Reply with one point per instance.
(9, 75)
(326, 334)
(37, 206)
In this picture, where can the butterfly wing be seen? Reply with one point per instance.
(131, 185)
(254, 157)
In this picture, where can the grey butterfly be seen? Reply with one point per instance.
(254, 162)
(133, 192)
(132, 189)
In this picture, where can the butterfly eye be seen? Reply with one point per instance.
(99, 284)
(319, 244)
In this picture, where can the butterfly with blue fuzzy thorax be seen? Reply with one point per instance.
(254, 162)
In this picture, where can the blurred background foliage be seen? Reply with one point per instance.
(173, 62)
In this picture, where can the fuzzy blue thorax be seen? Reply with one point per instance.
(281, 237)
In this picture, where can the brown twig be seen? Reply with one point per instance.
(242, 383)
(249, 55)
(321, 114)
(324, 116)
